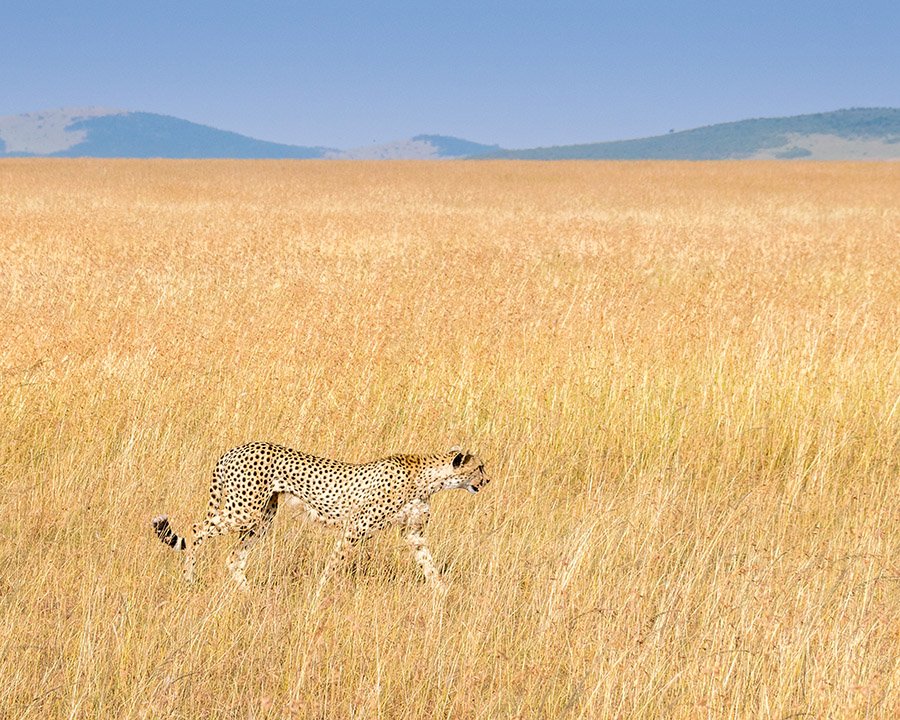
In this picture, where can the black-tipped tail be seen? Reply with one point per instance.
(165, 533)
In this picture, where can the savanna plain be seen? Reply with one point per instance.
(684, 380)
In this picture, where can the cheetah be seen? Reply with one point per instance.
(360, 498)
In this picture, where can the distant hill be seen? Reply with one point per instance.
(858, 133)
(420, 147)
(93, 132)
(100, 132)
(455, 147)
(855, 134)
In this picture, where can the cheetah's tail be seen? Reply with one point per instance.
(165, 533)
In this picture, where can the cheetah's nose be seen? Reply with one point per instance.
(481, 482)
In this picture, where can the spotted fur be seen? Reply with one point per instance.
(362, 499)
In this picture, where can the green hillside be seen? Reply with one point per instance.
(774, 137)
(145, 135)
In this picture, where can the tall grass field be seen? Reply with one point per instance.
(683, 378)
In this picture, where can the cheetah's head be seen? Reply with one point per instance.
(466, 471)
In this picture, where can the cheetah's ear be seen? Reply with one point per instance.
(458, 460)
(454, 449)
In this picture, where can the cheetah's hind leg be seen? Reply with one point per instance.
(213, 525)
(344, 543)
(237, 560)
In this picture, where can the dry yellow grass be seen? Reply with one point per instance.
(684, 379)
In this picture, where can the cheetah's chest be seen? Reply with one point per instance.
(414, 512)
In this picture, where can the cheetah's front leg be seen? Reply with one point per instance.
(415, 538)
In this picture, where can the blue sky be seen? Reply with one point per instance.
(518, 74)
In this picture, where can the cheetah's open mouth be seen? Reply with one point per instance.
(473, 489)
